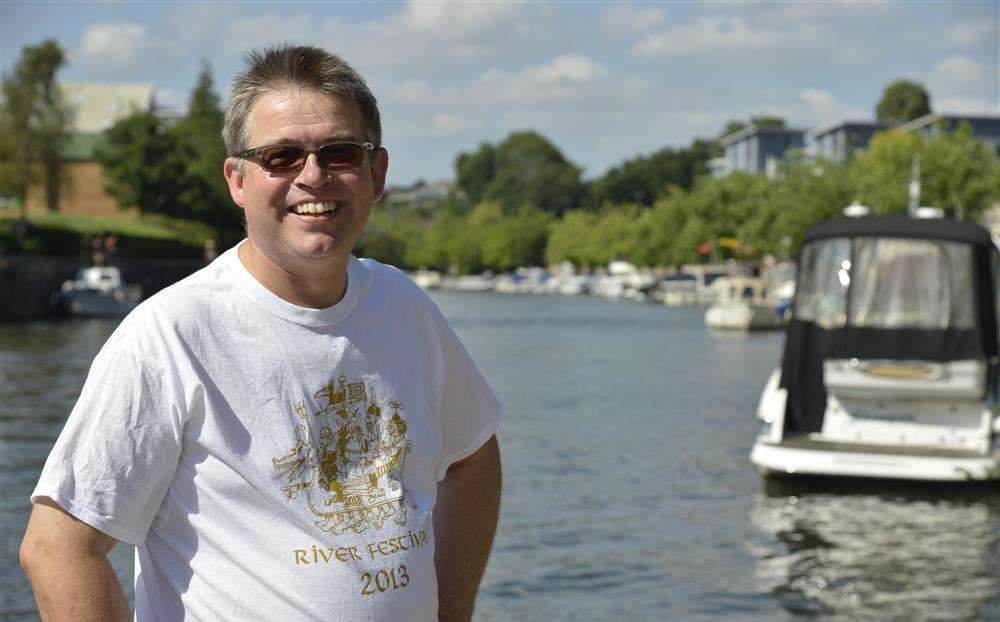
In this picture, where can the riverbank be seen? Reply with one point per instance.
(28, 282)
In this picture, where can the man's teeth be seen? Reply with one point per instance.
(315, 208)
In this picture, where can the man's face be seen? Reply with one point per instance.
(306, 243)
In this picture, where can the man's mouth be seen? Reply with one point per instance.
(319, 207)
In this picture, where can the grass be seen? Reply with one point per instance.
(70, 234)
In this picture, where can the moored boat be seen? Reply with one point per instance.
(98, 291)
(891, 363)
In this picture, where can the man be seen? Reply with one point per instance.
(220, 428)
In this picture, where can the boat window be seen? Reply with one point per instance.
(824, 276)
(912, 284)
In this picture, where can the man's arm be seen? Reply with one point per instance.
(66, 561)
(465, 520)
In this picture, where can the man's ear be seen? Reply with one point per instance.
(232, 170)
(379, 169)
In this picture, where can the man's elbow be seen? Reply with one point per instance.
(32, 553)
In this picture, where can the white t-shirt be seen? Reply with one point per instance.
(271, 461)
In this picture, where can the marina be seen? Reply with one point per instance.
(628, 490)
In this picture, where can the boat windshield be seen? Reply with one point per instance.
(886, 283)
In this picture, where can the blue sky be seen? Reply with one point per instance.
(603, 81)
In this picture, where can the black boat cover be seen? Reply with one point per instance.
(809, 344)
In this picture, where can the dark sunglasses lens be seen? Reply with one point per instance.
(341, 155)
(282, 159)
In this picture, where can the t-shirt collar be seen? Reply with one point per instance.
(356, 277)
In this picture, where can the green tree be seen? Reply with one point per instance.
(643, 179)
(523, 169)
(474, 171)
(198, 136)
(35, 121)
(903, 101)
(517, 239)
(144, 166)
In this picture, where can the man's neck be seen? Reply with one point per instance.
(318, 290)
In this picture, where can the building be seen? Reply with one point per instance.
(95, 108)
(419, 194)
(986, 128)
(842, 140)
(758, 149)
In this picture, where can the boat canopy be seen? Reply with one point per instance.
(888, 288)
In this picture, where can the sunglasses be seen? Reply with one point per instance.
(338, 156)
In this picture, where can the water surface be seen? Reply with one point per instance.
(627, 490)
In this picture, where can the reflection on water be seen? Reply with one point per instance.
(878, 550)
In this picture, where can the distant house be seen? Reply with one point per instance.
(986, 128)
(839, 141)
(95, 108)
(420, 193)
(758, 149)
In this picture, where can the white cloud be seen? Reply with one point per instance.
(972, 34)
(966, 105)
(627, 19)
(120, 50)
(961, 73)
(710, 36)
(437, 37)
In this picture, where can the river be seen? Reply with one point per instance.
(628, 494)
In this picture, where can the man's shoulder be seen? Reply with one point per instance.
(188, 302)
(388, 279)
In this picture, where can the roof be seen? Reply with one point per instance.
(750, 130)
(81, 145)
(833, 127)
(96, 106)
(929, 119)
(901, 226)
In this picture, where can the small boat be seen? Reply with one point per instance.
(743, 304)
(891, 363)
(98, 291)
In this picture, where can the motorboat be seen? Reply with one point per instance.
(743, 304)
(891, 362)
(98, 291)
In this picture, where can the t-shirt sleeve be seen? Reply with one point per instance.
(470, 412)
(117, 454)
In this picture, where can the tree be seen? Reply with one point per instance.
(524, 169)
(175, 170)
(35, 121)
(903, 101)
(144, 166)
(644, 179)
(473, 172)
(198, 136)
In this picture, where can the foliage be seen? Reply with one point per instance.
(958, 173)
(35, 121)
(148, 236)
(199, 137)
(903, 101)
(523, 169)
(643, 179)
(172, 170)
(144, 166)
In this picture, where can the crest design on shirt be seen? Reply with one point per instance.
(349, 459)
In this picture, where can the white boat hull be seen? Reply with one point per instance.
(743, 316)
(781, 459)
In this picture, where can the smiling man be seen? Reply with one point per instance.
(291, 432)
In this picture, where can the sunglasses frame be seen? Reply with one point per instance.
(254, 155)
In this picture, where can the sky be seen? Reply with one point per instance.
(603, 81)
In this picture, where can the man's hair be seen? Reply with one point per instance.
(295, 67)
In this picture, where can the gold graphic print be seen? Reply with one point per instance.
(351, 469)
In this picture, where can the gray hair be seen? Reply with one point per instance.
(304, 67)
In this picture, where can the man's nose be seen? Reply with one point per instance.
(312, 174)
